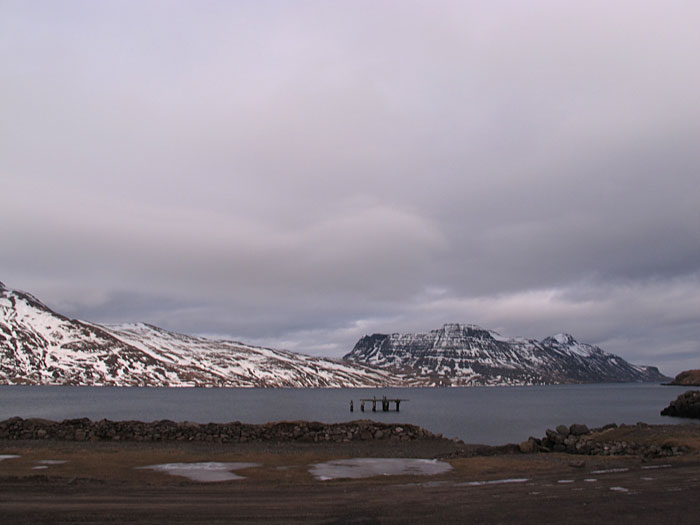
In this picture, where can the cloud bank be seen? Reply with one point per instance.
(300, 174)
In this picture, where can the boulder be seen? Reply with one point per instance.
(563, 430)
(578, 430)
(529, 447)
(685, 405)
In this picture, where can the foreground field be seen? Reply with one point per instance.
(100, 482)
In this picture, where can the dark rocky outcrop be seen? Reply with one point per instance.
(162, 431)
(687, 378)
(685, 405)
(578, 439)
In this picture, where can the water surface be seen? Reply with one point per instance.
(489, 415)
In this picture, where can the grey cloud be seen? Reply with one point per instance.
(297, 174)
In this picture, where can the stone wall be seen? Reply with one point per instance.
(105, 430)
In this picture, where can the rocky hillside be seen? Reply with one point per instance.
(40, 347)
(464, 355)
(687, 378)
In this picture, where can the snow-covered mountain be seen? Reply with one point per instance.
(460, 354)
(39, 346)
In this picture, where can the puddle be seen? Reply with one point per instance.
(610, 470)
(646, 479)
(368, 467)
(7, 456)
(565, 481)
(43, 464)
(590, 480)
(205, 472)
(651, 467)
(494, 482)
(619, 489)
(427, 484)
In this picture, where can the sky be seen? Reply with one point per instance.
(297, 174)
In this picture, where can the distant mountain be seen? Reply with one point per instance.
(687, 378)
(41, 347)
(462, 355)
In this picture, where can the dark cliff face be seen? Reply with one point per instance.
(469, 355)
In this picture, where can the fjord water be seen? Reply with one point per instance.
(488, 415)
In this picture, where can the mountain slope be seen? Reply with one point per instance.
(39, 346)
(461, 355)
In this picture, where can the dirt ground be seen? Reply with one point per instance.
(99, 483)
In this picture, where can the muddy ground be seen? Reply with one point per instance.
(99, 483)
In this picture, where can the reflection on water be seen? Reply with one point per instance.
(368, 467)
(204, 472)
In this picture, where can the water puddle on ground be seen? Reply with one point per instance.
(619, 489)
(369, 467)
(493, 482)
(205, 472)
(652, 467)
(8, 456)
(43, 464)
(609, 470)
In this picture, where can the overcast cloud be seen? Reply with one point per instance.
(298, 174)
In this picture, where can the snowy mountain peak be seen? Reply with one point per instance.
(465, 330)
(461, 327)
(39, 346)
(563, 339)
(465, 355)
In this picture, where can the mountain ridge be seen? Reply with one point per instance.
(468, 355)
(40, 346)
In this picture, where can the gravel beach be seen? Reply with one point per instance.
(46, 481)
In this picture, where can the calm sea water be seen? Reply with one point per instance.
(489, 415)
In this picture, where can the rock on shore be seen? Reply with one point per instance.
(579, 439)
(685, 405)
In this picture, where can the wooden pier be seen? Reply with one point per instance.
(385, 403)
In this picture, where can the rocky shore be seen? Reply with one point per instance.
(685, 405)
(608, 440)
(162, 431)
